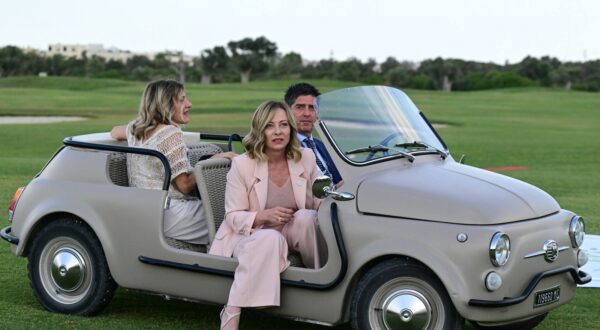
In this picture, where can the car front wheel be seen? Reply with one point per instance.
(67, 269)
(400, 294)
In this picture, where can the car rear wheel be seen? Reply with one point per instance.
(67, 269)
(399, 294)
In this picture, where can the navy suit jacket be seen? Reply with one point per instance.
(330, 165)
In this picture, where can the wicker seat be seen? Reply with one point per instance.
(116, 167)
(211, 177)
(117, 173)
(183, 245)
(200, 150)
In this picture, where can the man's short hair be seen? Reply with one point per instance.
(300, 89)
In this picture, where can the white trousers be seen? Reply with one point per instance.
(185, 220)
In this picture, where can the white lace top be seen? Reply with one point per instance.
(147, 171)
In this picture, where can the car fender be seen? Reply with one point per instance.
(445, 269)
(54, 205)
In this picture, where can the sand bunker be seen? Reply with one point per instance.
(38, 119)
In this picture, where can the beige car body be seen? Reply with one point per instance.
(402, 209)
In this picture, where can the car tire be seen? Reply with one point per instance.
(399, 293)
(68, 270)
(522, 325)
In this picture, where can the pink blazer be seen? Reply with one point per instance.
(246, 194)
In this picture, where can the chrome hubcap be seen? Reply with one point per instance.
(406, 309)
(68, 269)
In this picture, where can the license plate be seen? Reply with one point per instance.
(546, 297)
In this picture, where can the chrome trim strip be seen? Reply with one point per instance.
(541, 252)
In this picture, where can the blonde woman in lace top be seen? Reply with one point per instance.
(269, 210)
(164, 106)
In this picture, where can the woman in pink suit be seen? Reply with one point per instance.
(269, 209)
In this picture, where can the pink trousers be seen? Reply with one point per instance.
(262, 256)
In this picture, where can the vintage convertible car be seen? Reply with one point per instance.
(413, 239)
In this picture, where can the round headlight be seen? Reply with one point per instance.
(499, 249)
(577, 231)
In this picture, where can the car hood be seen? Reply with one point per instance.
(451, 192)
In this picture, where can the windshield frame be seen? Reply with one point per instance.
(328, 135)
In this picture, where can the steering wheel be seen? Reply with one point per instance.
(372, 154)
(389, 138)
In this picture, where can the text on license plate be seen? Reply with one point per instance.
(546, 297)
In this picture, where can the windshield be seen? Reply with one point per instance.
(374, 122)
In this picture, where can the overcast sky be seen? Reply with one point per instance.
(496, 31)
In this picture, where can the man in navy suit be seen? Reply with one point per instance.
(301, 99)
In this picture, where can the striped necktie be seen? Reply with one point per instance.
(309, 143)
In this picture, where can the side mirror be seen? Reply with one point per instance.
(322, 187)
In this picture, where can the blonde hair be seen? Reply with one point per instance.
(254, 141)
(156, 106)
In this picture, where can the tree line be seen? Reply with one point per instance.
(250, 59)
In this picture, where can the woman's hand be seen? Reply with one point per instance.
(229, 155)
(119, 132)
(185, 182)
(273, 217)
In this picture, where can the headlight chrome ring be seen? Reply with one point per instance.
(577, 231)
(499, 249)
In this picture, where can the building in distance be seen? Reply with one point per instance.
(78, 51)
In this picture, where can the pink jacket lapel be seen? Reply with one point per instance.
(261, 175)
(298, 182)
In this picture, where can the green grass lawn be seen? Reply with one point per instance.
(554, 133)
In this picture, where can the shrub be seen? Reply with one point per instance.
(591, 86)
(497, 79)
(399, 77)
(421, 81)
